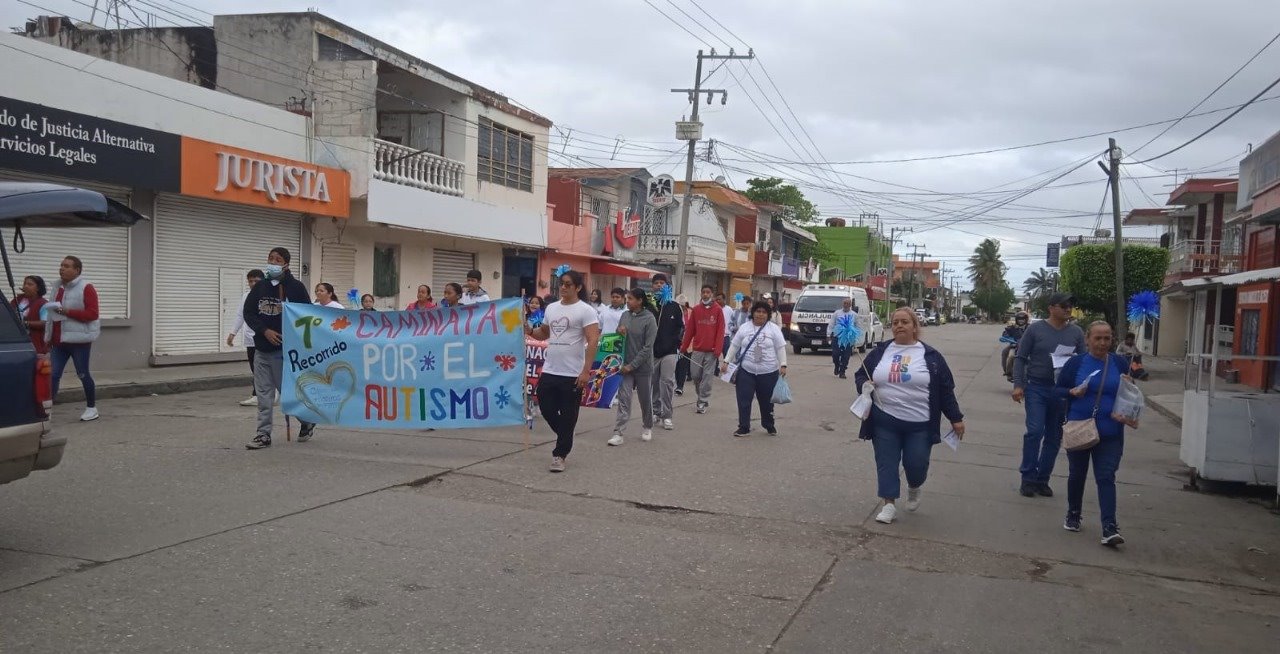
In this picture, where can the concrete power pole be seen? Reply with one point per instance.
(1113, 172)
(893, 238)
(691, 131)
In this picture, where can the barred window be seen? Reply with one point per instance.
(505, 156)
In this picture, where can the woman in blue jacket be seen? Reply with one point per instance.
(1079, 382)
(913, 388)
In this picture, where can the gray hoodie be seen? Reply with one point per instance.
(641, 329)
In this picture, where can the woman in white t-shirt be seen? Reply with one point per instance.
(760, 351)
(571, 328)
(325, 296)
(913, 389)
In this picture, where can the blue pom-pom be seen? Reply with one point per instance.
(664, 296)
(737, 297)
(846, 331)
(561, 270)
(536, 318)
(1144, 305)
(353, 295)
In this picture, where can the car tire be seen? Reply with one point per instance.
(795, 348)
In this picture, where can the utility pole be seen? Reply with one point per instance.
(893, 238)
(691, 131)
(1113, 172)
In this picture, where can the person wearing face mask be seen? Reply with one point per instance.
(474, 293)
(703, 338)
(452, 295)
(264, 313)
(665, 350)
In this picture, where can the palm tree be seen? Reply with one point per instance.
(986, 270)
(1041, 282)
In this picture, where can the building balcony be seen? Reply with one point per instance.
(768, 263)
(790, 267)
(664, 248)
(399, 164)
(1199, 258)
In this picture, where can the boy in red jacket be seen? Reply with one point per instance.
(703, 338)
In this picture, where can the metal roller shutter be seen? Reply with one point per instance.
(449, 266)
(201, 247)
(338, 267)
(104, 251)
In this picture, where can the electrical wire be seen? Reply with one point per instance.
(1216, 125)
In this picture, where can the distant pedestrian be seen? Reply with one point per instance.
(264, 313)
(595, 299)
(452, 295)
(666, 350)
(913, 389)
(728, 321)
(241, 329)
(641, 329)
(423, 301)
(682, 363)
(1089, 383)
(773, 306)
(840, 355)
(1129, 350)
(760, 351)
(611, 314)
(367, 303)
(326, 297)
(571, 329)
(1042, 351)
(703, 336)
(742, 316)
(474, 293)
(28, 307)
(74, 332)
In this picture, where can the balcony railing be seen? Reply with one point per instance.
(790, 267)
(1203, 257)
(404, 165)
(703, 251)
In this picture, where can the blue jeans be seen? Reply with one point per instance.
(1040, 444)
(759, 388)
(1106, 460)
(78, 354)
(898, 442)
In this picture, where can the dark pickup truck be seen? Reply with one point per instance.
(26, 441)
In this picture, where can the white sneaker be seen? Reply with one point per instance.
(616, 440)
(647, 435)
(913, 499)
(887, 514)
(90, 413)
(253, 401)
(666, 424)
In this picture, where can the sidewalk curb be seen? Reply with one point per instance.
(167, 387)
(1163, 410)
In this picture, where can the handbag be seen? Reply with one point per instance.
(1083, 434)
(733, 379)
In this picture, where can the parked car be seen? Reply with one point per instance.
(26, 441)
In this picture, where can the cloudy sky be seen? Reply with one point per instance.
(861, 81)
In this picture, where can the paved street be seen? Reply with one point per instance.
(159, 532)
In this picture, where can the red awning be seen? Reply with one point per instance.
(625, 270)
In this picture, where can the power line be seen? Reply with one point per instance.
(1216, 125)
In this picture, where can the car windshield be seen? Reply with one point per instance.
(823, 303)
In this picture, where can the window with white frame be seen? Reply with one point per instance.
(505, 156)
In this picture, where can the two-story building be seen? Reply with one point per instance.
(1257, 311)
(740, 219)
(706, 257)
(446, 175)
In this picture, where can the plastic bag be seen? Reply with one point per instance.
(1129, 402)
(782, 392)
(861, 407)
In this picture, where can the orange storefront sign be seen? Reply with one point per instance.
(220, 172)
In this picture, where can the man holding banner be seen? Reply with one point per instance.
(571, 328)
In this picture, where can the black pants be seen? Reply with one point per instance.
(559, 400)
(250, 351)
(759, 388)
(682, 371)
(840, 357)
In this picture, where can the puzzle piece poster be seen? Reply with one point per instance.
(606, 373)
(443, 368)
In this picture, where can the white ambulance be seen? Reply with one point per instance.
(812, 313)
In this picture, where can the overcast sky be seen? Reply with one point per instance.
(868, 80)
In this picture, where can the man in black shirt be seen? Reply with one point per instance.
(264, 313)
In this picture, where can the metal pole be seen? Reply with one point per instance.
(688, 184)
(1122, 326)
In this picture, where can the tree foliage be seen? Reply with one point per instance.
(969, 311)
(986, 269)
(1088, 272)
(796, 209)
(994, 301)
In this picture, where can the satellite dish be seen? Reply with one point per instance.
(720, 180)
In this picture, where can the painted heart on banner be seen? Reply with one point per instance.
(558, 326)
(325, 394)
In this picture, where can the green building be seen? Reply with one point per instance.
(849, 252)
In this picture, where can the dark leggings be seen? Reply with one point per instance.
(559, 399)
(78, 354)
(251, 350)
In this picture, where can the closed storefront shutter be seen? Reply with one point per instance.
(198, 245)
(338, 267)
(104, 251)
(450, 266)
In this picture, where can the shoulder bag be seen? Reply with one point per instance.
(1083, 434)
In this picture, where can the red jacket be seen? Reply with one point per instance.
(35, 326)
(704, 330)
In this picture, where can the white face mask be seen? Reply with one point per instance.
(273, 271)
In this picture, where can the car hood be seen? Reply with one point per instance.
(29, 204)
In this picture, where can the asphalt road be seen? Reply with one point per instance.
(160, 532)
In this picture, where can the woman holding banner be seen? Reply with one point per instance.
(641, 330)
(572, 329)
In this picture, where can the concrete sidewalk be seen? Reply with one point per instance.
(1163, 389)
(161, 380)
